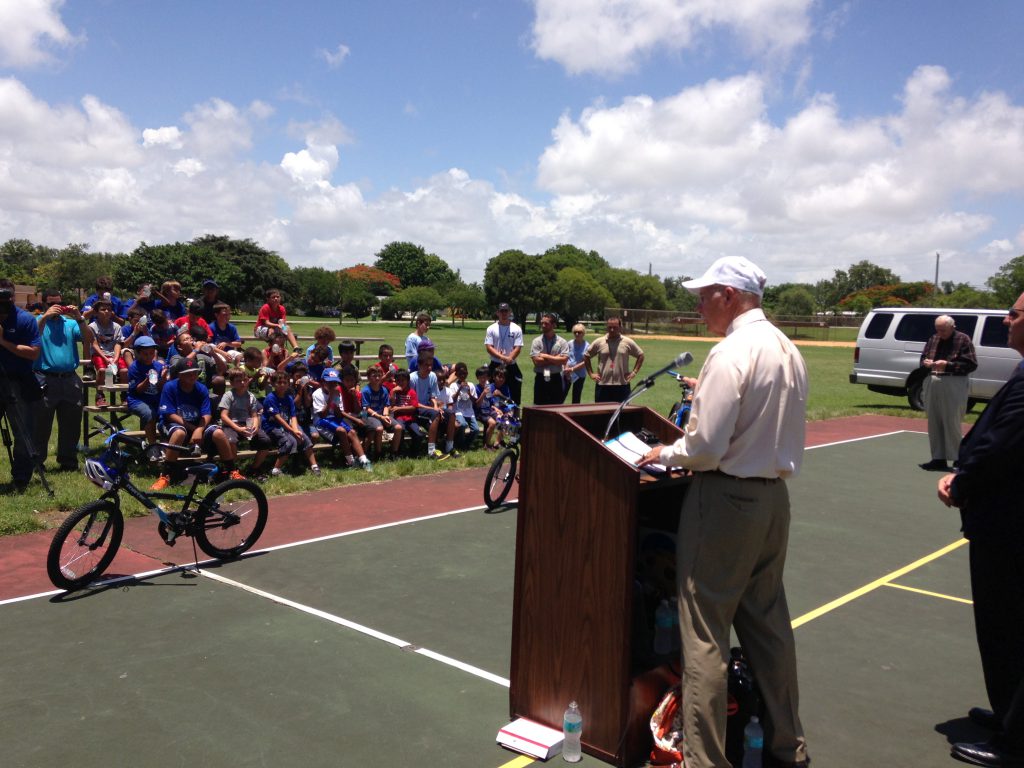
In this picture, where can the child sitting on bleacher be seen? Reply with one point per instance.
(302, 390)
(240, 417)
(282, 426)
(146, 376)
(405, 407)
(352, 402)
(319, 354)
(276, 355)
(252, 364)
(169, 300)
(334, 423)
(135, 328)
(386, 365)
(162, 331)
(377, 413)
(495, 397)
(464, 394)
(480, 407)
(194, 322)
(347, 356)
(432, 414)
(106, 348)
(224, 334)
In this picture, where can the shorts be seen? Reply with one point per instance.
(143, 410)
(328, 426)
(260, 441)
(167, 429)
(373, 424)
(102, 363)
(287, 443)
(262, 331)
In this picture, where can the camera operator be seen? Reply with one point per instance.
(19, 347)
(61, 329)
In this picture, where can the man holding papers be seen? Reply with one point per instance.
(745, 436)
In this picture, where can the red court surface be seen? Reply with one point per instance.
(338, 510)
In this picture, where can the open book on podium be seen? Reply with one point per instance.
(631, 448)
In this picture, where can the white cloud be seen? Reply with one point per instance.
(30, 29)
(675, 182)
(334, 58)
(611, 36)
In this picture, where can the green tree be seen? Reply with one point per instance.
(963, 296)
(411, 264)
(1008, 283)
(315, 289)
(576, 294)
(418, 298)
(561, 256)
(680, 299)
(357, 300)
(797, 300)
(864, 274)
(635, 291)
(465, 300)
(521, 280)
(73, 268)
(19, 258)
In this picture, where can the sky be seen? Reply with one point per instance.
(806, 136)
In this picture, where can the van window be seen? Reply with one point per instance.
(994, 333)
(914, 327)
(878, 326)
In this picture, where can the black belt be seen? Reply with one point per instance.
(934, 373)
(60, 374)
(720, 473)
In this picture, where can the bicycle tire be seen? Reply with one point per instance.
(80, 552)
(500, 477)
(230, 518)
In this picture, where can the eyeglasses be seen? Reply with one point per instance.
(578, 333)
(1013, 312)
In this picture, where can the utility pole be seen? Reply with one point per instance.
(936, 290)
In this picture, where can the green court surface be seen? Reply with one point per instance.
(391, 646)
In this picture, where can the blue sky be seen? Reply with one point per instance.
(807, 136)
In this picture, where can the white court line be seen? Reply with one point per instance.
(362, 628)
(868, 437)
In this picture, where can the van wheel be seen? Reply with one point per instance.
(915, 393)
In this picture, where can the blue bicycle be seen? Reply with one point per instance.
(225, 523)
(679, 414)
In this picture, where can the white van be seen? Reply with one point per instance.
(888, 354)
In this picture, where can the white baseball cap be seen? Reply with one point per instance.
(734, 271)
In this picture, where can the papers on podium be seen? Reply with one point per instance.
(631, 448)
(531, 738)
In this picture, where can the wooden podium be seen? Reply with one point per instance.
(573, 612)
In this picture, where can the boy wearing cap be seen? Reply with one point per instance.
(331, 420)
(744, 438)
(146, 376)
(185, 416)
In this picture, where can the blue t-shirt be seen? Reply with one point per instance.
(375, 401)
(229, 333)
(425, 388)
(61, 337)
(190, 406)
(165, 336)
(491, 395)
(273, 405)
(173, 311)
(138, 371)
(19, 327)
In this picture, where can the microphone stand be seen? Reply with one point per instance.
(642, 387)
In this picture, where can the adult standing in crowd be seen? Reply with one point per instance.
(61, 329)
(575, 373)
(986, 489)
(549, 353)
(504, 343)
(949, 357)
(745, 436)
(19, 347)
(613, 351)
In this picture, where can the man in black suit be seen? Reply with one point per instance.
(987, 489)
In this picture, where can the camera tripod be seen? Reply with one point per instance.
(10, 420)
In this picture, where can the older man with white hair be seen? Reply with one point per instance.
(744, 438)
(949, 357)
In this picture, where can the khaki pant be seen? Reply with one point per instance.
(730, 556)
(945, 400)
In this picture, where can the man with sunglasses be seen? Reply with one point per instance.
(19, 347)
(986, 488)
(61, 328)
(949, 357)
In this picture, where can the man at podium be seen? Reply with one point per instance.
(745, 436)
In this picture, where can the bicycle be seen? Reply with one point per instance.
(503, 469)
(679, 414)
(225, 523)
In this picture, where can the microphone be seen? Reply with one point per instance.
(683, 358)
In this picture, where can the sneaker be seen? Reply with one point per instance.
(366, 466)
(236, 475)
(436, 455)
(101, 401)
(161, 483)
(275, 472)
(454, 453)
(315, 470)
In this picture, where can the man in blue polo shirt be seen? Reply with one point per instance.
(19, 347)
(61, 328)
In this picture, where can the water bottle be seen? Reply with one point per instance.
(663, 629)
(753, 742)
(153, 377)
(112, 372)
(572, 730)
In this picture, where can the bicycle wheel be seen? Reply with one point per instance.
(231, 518)
(84, 545)
(500, 477)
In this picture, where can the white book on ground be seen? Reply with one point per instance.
(531, 738)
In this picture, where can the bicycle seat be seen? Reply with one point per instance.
(202, 471)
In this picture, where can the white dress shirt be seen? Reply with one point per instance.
(749, 407)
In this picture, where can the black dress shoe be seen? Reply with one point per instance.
(986, 718)
(935, 465)
(988, 754)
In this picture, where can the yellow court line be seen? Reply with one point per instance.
(931, 594)
(841, 601)
(519, 762)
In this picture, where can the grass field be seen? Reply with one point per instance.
(831, 395)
